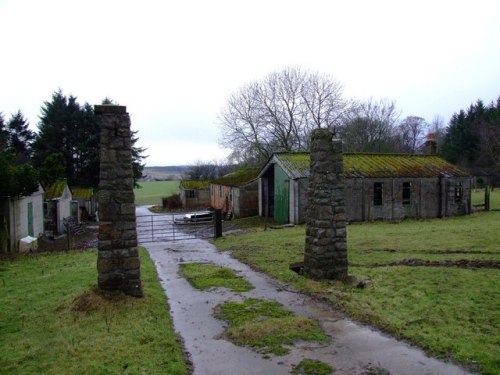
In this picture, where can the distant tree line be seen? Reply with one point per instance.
(202, 170)
(279, 112)
(473, 137)
(66, 145)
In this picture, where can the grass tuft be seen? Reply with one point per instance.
(312, 367)
(94, 299)
(205, 276)
(266, 325)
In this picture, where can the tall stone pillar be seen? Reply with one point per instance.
(118, 263)
(325, 254)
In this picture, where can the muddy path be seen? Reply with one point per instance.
(354, 349)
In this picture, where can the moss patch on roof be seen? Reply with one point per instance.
(55, 190)
(297, 163)
(377, 165)
(240, 177)
(195, 184)
(82, 192)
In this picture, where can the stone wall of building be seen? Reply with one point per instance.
(427, 197)
(118, 262)
(325, 255)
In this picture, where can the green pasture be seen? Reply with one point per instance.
(151, 192)
(53, 320)
(435, 283)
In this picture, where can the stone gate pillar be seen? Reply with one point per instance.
(118, 263)
(325, 254)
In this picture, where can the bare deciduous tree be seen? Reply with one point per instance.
(370, 127)
(412, 133)
(278, 114)
(438, 127)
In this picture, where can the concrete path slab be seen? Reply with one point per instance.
(354, 349)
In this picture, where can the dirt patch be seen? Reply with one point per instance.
(460, 263)
(96, 299)
(428, 251)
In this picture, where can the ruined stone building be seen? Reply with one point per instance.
(377, 186)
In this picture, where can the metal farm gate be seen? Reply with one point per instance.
(171, 227)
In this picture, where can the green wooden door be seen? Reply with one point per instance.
(281, 196)
(31, 230)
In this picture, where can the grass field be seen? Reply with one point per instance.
(52, 320)
(432, 282)
(151, 192)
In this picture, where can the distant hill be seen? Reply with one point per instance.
(166, 173)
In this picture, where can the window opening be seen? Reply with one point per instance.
(406, 193)
(459, 192)
(377, 193)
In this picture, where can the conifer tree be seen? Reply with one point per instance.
(4, 135)
(20, 137)
(69, 133)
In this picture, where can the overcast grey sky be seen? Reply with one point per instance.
(174, 63)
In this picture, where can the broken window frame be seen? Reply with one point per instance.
(459, 192)
(191, 193)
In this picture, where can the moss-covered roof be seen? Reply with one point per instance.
(195, 184)
(375, 165)
(297, 164)
(82, 192)
(56, 189)
(242, 176)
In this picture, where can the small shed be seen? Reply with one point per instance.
(195, 193)
(58, 206)
(236, 194)
(20, 217)
(87, 201)
(377, 186)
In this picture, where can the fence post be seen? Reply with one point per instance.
(218, 224)
(487, 198)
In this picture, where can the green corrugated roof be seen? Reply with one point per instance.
(376, 165)
(240, 177)
(195, 184)
(55, 190)
(82, 192)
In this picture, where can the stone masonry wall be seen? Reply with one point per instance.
(118, 262)
(325, 255)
